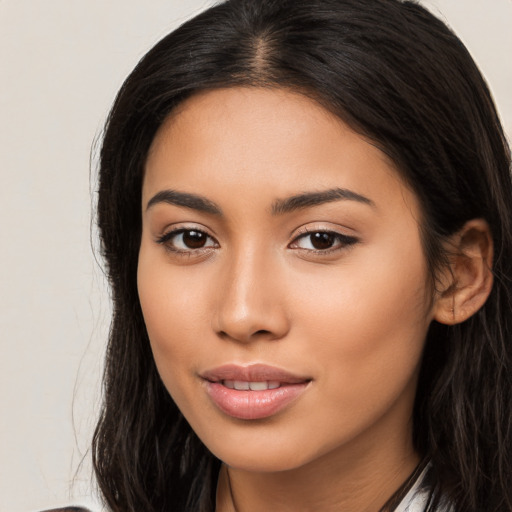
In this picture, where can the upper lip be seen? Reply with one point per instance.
(252, 373)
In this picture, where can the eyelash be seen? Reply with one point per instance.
(166, 240)
(342, 241)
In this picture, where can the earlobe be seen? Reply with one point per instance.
(467, 282)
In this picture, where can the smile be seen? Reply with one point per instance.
(242, 385)
(253, 392)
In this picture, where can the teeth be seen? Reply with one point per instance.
(258, 386)
(242, 385)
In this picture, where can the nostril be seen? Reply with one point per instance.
(238, 336)
(240, 321)
(261, 332)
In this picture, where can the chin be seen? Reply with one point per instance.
(270, 461)
(260, 453)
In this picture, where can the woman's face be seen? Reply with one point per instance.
(282, 281)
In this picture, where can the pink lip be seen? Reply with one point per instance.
(251, 405)
(252, 373)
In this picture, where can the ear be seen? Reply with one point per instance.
(467, 281)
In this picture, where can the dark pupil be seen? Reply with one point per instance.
(322, 240)
(194, 239)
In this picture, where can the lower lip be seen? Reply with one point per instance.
(253, 405)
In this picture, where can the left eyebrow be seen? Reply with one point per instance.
(309, 199)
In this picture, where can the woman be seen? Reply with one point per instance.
(305, 212)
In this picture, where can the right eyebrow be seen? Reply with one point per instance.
(192, 201)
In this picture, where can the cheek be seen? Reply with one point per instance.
(370, 320)
(172, 314)
(379, 290)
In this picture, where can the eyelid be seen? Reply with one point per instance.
(184, 226)
(345, 241)
(323, 227)
(176, 229)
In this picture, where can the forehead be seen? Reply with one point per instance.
(266, 142)
(248, 116)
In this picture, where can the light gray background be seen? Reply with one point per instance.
(61, 63)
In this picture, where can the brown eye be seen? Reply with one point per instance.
(187, 240)
(194, 239)
(322, 240)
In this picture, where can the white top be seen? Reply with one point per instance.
(416, 499)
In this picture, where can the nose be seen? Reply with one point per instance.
(251, 300)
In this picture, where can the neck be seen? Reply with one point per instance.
(337, 481)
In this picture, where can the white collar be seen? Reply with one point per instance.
(416, 499)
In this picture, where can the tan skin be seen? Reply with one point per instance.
(351, 312)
